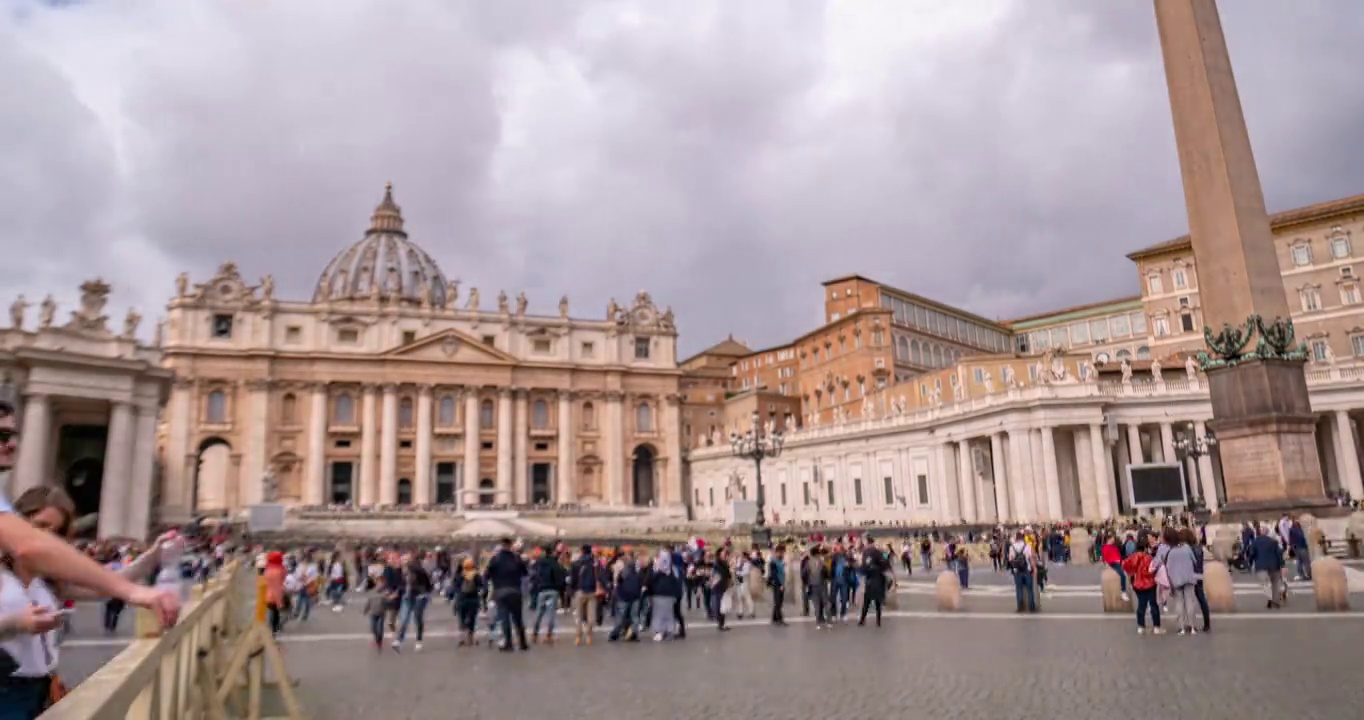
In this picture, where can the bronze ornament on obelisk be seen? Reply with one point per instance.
(1262, 415)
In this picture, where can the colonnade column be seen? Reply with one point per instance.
(670, 486)
(1103, 479)
(468, 492)
(1020, 475)
(177, 478)
(519, 459)
(143, 467)
(998, 462)
(1167, 444)
(1085, 473)
(966, 480)
(1049, 473)
(421, 491)
(257, 437)
(35, 455)
(563, 474)
(1209, 478)
(1134, 445)
(388, 448)
(948, 511)
(615, 448)
(504, 446)
(118, 465)
(369, 419)
(315, 466)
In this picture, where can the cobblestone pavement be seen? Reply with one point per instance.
(941, 668)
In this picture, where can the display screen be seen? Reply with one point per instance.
(1156, 485)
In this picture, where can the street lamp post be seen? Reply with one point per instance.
(1190, 445)
(758, 444)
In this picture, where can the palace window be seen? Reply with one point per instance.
(1302, 255)
(485, 415)
(889, 490)
(1120, 326)
(641, 348)
(1079, 333)
(588, 350)
(1180, 278)
(445, 411)
(979, 375)
(1357, 344)
(539, 415)
(409, 337)
(589, 416)
(344, 412)
(541, 346)
(348, 336)
(1138, 323)
(1098, 329)
(857, 491)
(288, 409)
(216, 410)
(1154, 284)
(923, 490)
(293, 334)
(405, 413)
(1340, 247)
(1143, 353)
(1349, 294)
(1161, 325)
(1186, 321)
(1311, 299)
(1319, 350)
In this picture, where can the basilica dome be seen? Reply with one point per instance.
(384, 265)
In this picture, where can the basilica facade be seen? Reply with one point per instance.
(387, 388)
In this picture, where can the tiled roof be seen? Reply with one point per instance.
(1277, 221)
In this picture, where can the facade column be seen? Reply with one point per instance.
(1209, 478)
(999, 462)
(1103, 479)
(255, 461)
(177, 475)
(143, 467)
(1020, 475)
(1050, 475)
(520, 468)
(563, 474)
(315, 465)
(35, 447)
(421, 490)
(1134, 445)
(671, 484)
(118, 465)
(504, 445)
(966, 480)
(468, 492)
(388, 447)
(947, 506)
(615, 448)
(1167, 444)
(369, 418)
(1085, 474)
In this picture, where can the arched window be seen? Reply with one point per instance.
(485, 415)
(345, 410)
(937, 356)
(405, 413)
(445, 412)
(644, 418)
(902, 348)
(288, 409)
(216, 412)
(539, 415)
(915, 354)
(1143, 352)
(589, 416)
(1124, 355)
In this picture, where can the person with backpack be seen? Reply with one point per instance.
(629, 594)
(589, 587)
(466, 593)
(547, 579)
(776, 579)
(840, 584)
(721, 579)
(874, 569)
(1022, 563)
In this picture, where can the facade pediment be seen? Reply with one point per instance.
(451, 346)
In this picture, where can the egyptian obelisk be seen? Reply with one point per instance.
(1262, 416)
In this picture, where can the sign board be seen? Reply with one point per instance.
(1153, 485)
(266, 517)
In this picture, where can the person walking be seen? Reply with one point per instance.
(776, 579)
(1266, 558)
(547, 580)
(1022, 563)
(722, 581)
(817, 578)
(505, 572)
(417, 590)
(1138, 568)
(874, 569)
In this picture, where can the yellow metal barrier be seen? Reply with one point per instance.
(210, 665)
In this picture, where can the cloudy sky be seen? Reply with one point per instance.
(726, 156)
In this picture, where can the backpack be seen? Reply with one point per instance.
(629, 585)
(469, 587)
(544, 575)
(1018, 559)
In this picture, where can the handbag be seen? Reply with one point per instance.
(726, 602)
(56, 690)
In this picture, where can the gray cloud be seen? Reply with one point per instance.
(725, 156)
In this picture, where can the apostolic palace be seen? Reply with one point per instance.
(391, 387)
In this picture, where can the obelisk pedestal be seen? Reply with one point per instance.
(1263, 417)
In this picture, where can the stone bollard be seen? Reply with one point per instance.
(948, 591)
(793, 589)
(1080, 544)
(1329, 585)
(1111, 585)
(892, 595)
(1217, 586)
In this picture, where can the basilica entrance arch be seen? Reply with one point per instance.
(642, 475)
(212, 470)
